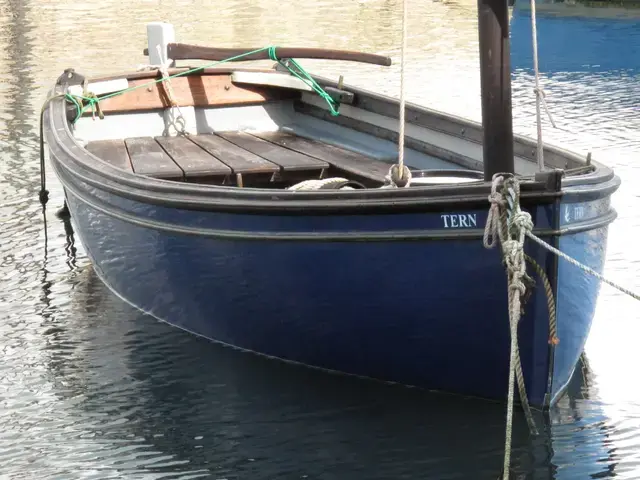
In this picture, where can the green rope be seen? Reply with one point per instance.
(302, 74)
(92, 102)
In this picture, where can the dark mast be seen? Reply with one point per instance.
(495, 84)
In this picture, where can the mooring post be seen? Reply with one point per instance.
(495, 84)
(159, 35)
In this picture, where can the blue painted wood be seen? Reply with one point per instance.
(429, 313)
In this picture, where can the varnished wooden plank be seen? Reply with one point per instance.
(148, 158)
(183, 51)
(111, 151)
(193, 160)
(289, 160)
(342, 158)
(191, 90)
(239, 159)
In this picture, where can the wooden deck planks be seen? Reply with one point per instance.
(226, 153)
(193, 160)
(237, 158)
(148, 158)
(111, 151)
(341, 158)
(289, 160)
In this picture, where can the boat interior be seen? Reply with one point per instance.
(264, 128)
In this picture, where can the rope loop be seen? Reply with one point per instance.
(398, 176)
(492, 232)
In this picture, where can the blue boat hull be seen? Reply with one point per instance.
(429, 312)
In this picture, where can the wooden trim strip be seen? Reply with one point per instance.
(192, 91)
(183, 51)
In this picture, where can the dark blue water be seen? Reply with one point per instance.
(91, 388)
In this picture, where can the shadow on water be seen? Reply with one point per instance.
(156, 400)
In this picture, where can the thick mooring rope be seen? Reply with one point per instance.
(508, 225)
(510, 232)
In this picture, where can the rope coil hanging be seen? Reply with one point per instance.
(507, 224)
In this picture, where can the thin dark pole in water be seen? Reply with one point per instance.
(495, 82)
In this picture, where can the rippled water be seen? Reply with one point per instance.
(90, 388)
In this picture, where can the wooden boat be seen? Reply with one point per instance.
(269, 223)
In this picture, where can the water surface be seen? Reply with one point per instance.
(90, 388)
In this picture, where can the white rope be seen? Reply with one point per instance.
(317, 184)
(540, 95)
(399, 175)
(178, 122)
(402, 89)
(527, 229)
(584, 268)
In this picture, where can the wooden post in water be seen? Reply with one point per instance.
(495, 83)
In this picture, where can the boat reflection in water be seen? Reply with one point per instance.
(156, 400)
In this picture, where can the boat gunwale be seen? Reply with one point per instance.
(351, 236)
(217, 197)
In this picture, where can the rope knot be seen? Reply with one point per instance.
(514, 257)
(518, 285)
(397, 177)
(522, 220)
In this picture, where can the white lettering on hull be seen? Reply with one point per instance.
(459, 220)
(574, 213)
